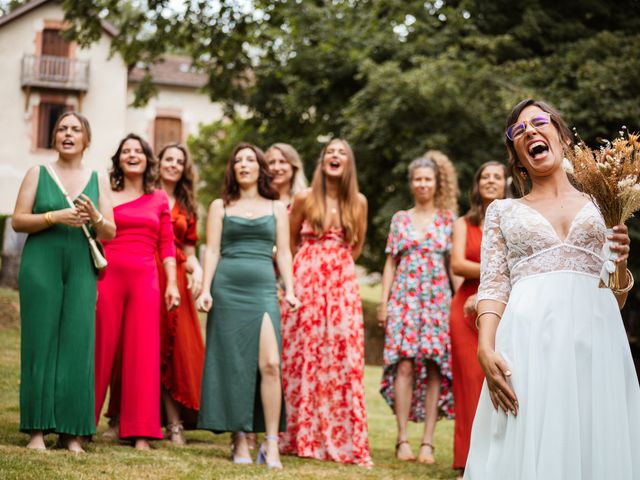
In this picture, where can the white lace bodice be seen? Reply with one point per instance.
(518, 242)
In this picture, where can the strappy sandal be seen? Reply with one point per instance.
(175, 433)
(427, 459)
(262, 454)
(237, 459)
(409, 458)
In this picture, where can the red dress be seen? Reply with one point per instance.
(181, 345)
(466, 371)
(323, 355)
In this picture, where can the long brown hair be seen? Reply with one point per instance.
(475, 215)
(186, 186)
(231, 188)
(350, 208)
(516, 170)
(116, 175)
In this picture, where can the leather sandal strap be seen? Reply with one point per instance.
(427, 444)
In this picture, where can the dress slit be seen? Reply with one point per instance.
(243, 290)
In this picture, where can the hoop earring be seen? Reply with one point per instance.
(523, 173)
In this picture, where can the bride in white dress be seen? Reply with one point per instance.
(561, 399)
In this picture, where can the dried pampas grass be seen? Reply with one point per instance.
(611, 176)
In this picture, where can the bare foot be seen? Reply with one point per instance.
(403, 451)
(142, 444)
(74, 445)
(37, 441)
(426, 454)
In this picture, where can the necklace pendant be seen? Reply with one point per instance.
(248, 214)
(334, 210)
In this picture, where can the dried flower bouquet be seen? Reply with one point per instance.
(610, 175)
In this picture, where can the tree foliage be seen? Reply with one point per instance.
(394, 77)
(7, 6)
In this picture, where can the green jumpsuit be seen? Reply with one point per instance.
(57, 309)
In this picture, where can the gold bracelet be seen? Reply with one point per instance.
(484, 313)
(48, 218)
(99, 222)
(630, 282)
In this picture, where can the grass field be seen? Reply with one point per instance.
(205, 456)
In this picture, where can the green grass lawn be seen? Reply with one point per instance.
(371, 293)
(205, 456)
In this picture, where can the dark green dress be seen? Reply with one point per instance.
(57, 309)
(243, 290)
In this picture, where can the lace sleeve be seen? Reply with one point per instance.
(495, 278)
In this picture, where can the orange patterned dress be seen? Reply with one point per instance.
(467, 374)
(182, 348)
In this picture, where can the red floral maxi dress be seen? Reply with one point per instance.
(323, 355)
(418, 309)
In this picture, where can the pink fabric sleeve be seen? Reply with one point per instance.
(393, 239)
(166, 246)
(449, 219)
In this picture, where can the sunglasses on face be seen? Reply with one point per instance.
(516, 130)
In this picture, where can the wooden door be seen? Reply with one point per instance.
(54, 62)
(166, 130)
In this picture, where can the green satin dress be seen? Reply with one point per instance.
(57, 309)
(243, 290)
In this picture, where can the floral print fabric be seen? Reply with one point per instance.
(418, 309)
(323, 355)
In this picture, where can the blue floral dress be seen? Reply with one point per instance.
(418, 309)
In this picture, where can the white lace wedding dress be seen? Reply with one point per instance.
(564, 341)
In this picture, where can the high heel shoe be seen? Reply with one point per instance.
(236, 459)
(262, 454)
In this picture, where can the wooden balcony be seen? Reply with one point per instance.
(58, 73)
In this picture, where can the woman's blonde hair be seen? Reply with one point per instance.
(350, 208)
(446, 197)
(298, 180)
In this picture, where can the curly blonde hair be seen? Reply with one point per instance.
(446, 197)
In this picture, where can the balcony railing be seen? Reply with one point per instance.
(55, 72)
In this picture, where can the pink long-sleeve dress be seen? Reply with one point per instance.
(128, 312)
